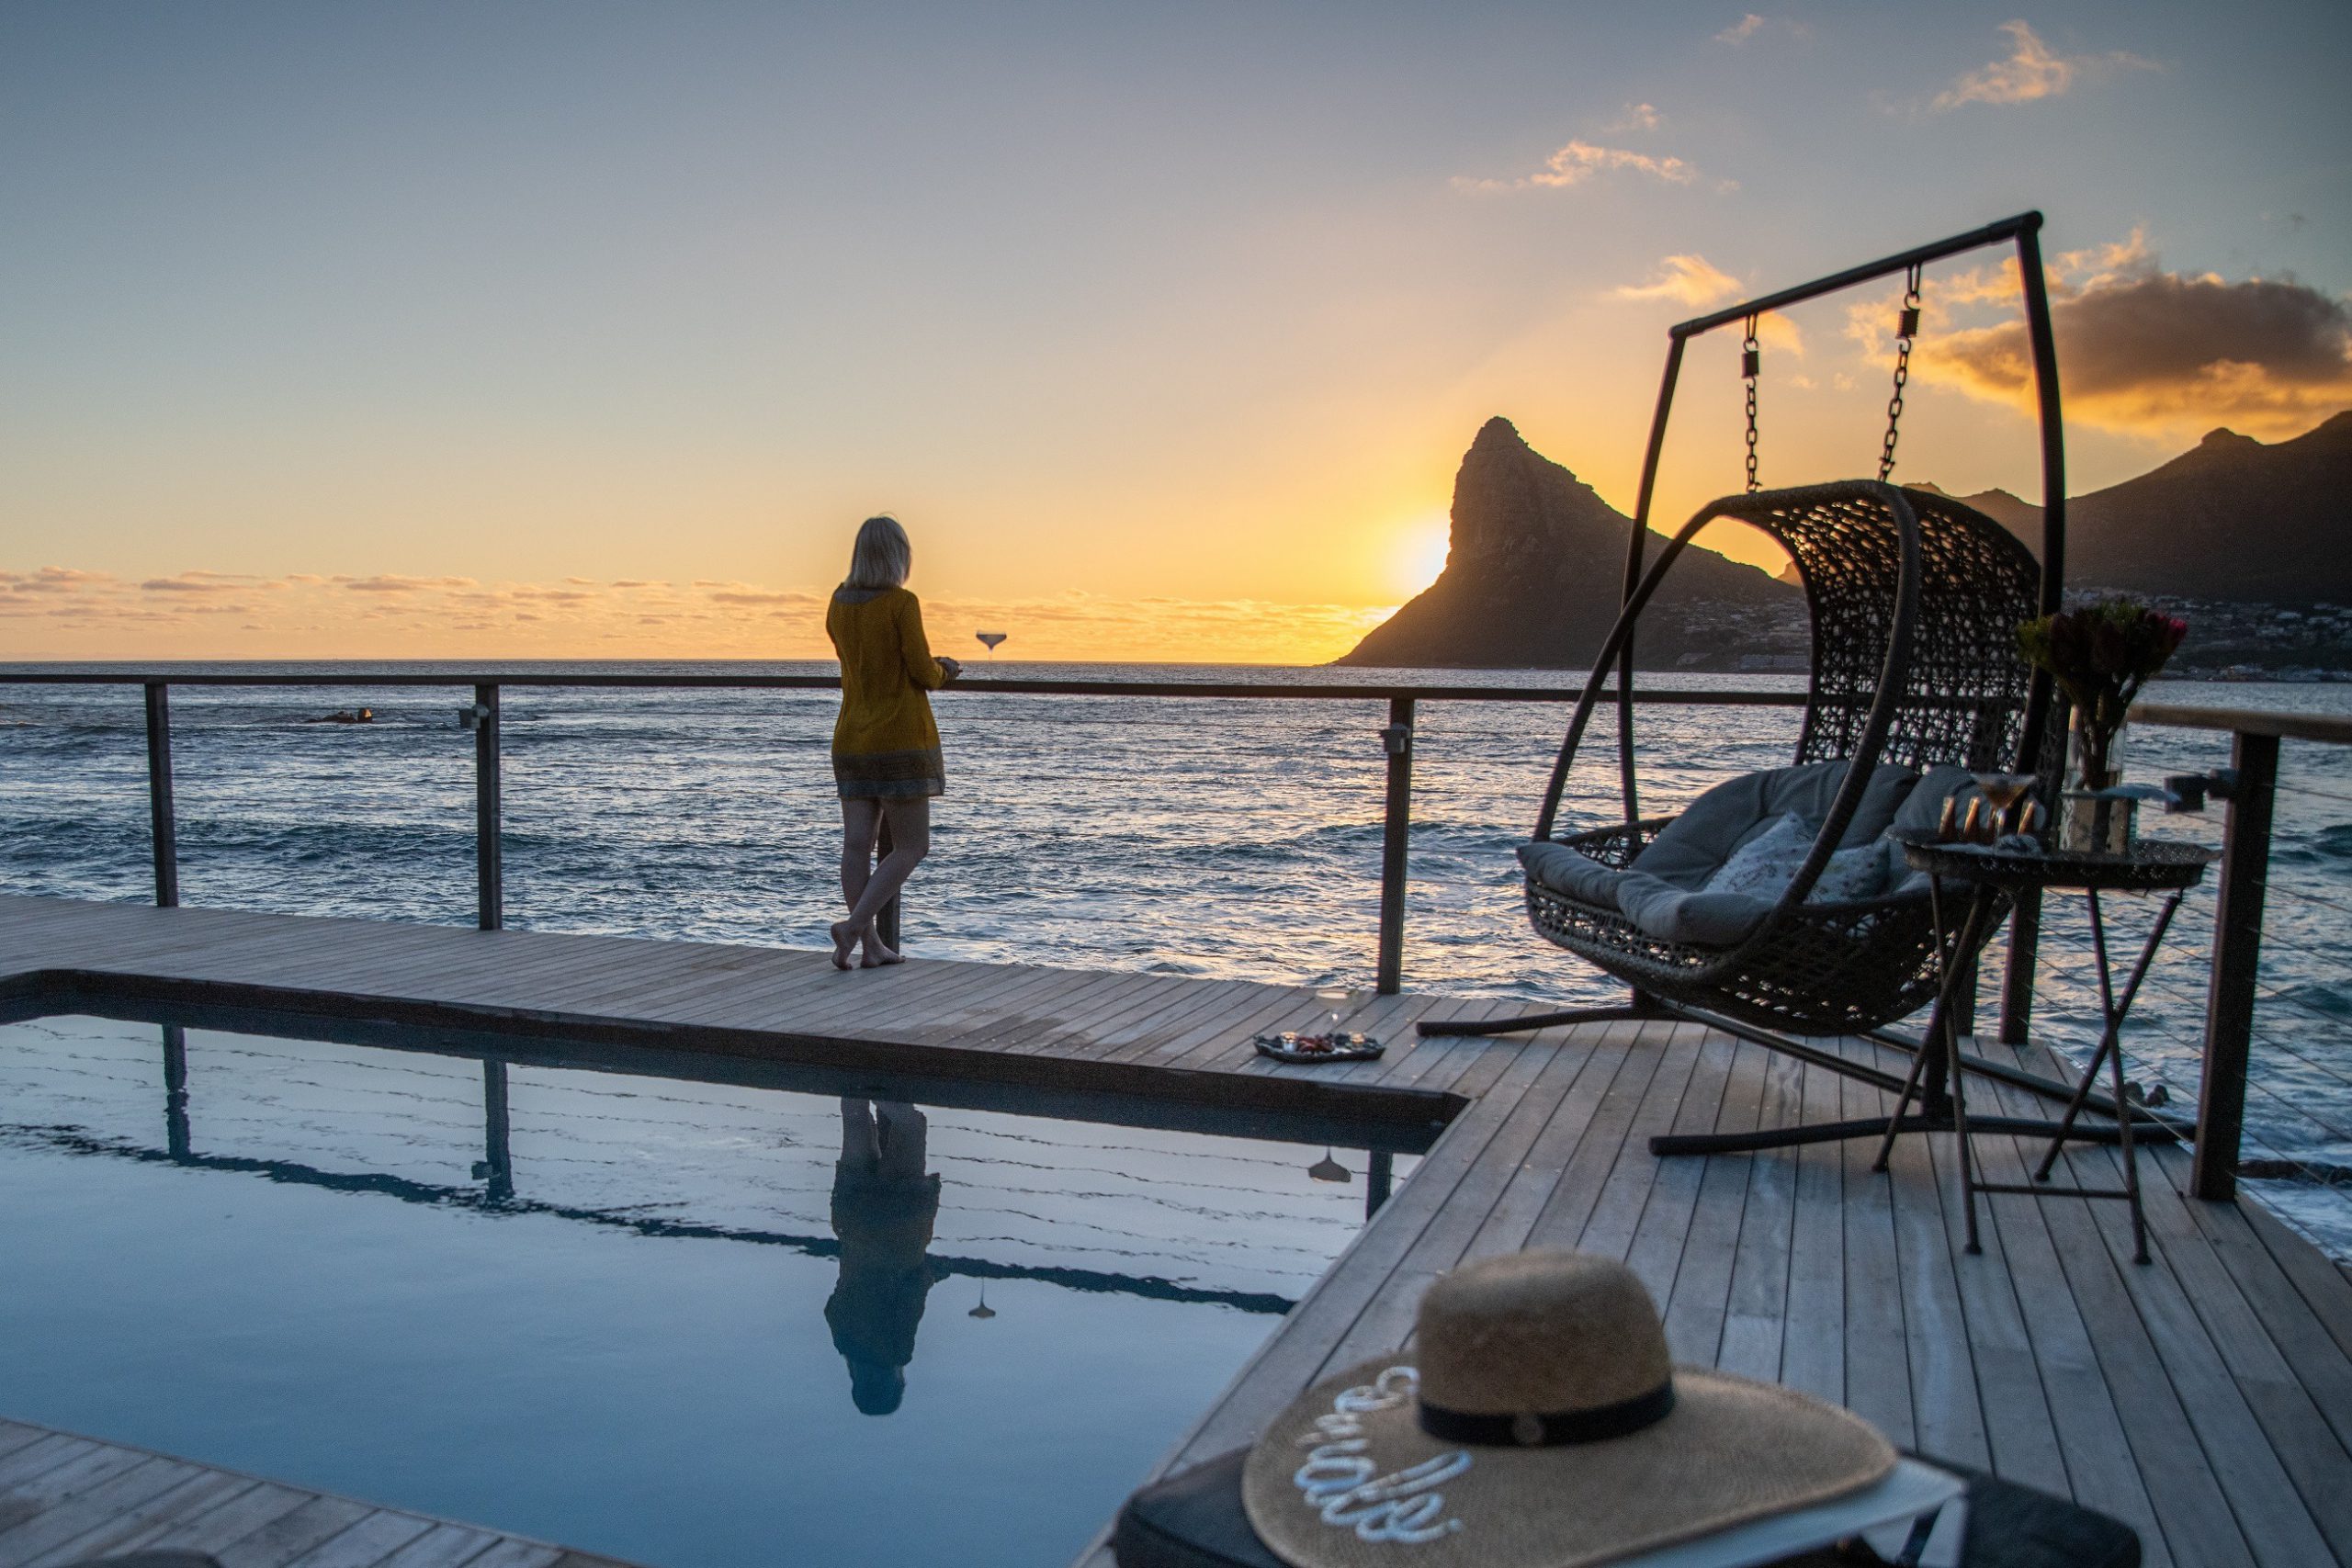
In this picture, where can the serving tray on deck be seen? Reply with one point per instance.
(1293, 1046)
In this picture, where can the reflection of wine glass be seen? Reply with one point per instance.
(2002, 792)
(1334, 1001)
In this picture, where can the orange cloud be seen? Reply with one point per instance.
(1691, 279)
(2030, 71)
(2155, 353)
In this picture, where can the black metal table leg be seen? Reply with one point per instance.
(1932, 1067)
(1957, 1083)
(2109, 1051)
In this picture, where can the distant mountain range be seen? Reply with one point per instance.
(1533, 574)
(2232, 520)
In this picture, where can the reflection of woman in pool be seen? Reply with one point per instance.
(884, 1204)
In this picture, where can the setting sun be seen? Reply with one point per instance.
(1418, 555)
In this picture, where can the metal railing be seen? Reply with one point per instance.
(483, 718)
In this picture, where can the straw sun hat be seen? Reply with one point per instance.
(1538, 1423)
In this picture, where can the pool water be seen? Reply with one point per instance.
(679, 1322)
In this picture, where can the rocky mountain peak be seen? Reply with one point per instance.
(1534, 569)
(1498, 432)
(2227, 440)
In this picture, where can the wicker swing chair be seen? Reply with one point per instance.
(1915, 601)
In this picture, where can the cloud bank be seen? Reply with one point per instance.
(2148, 352)
(65, 613)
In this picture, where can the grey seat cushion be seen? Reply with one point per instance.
(1664, 891)
(1578, 876)
(1713, 827)
(1672, 913)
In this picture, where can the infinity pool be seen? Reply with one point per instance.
(682, 1322)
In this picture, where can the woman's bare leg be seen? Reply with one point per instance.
(860, 819)
(909, 842)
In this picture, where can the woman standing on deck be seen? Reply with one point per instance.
(885, 748)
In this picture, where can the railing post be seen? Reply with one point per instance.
(2237, 960)
(163, 829)
(497, 1166)
(175, 1131)
(490, 859)
(1396, 838)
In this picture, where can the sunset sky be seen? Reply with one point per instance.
(588, 330)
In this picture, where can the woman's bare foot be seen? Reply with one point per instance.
(844, 937)
(879, 955)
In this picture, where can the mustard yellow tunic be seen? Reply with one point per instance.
(884, 745)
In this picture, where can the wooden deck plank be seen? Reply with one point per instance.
(1387, 1320)
(512, 1553)
(88, 1508)
(2270, 1514)
(1812, 1337)
(1948, 1411)
(2021, 1436)
(1878, 1369)
(293, 1533)
(1552, 1160)
(86, 1465)
(1700, 1298)
(101, 1499)
(227, 1521)
(125, 1520)
(1614, 1213)
(36, 1459)
(443, 1546)
(2100, 1471)
(1755, 1306)
(366, 1542)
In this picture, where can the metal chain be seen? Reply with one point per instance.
(1750, 362)
(1906, 328)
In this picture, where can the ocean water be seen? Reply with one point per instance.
(1215, 837)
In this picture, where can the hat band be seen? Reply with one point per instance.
(1533, 1429)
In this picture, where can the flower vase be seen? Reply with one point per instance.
(2093, 819)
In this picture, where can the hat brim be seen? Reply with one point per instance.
(1731, 1450)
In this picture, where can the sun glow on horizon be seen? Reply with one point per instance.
(1418, 553)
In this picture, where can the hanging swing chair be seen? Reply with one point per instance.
(1914, 600)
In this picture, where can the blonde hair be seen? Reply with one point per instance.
(882, 556)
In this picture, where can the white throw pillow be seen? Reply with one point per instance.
(1765, 865)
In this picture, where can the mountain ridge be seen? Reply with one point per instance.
(2232, 519)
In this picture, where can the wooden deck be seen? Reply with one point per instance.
(65, 1500)
(2205, 1398)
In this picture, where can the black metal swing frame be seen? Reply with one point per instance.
(1853, 969)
